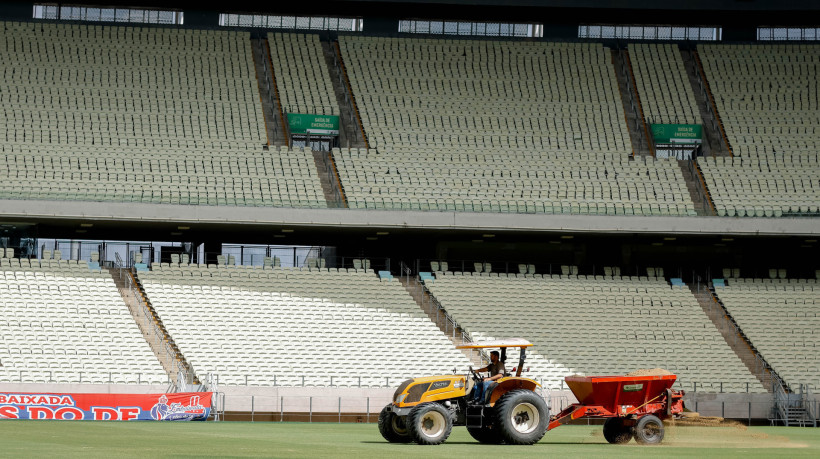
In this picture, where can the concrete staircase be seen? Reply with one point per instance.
(329, 179)
(696, 188)
(631, 103)
(430, 306)
(713, 144)
(349, 133)
(733, 336)
(268, 93)
(151, 326)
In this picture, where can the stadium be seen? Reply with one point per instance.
(272, 216)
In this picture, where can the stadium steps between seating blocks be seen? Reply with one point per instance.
(428, 304)
(150, 336)
(734, 339)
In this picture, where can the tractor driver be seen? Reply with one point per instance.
(496, 370)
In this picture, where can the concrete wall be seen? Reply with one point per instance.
(130, 213)
(355, 404)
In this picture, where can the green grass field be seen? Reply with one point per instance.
(359, 441)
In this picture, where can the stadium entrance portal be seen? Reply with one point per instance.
(316, 143)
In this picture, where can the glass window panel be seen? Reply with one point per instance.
(107, 15)
(120, 15)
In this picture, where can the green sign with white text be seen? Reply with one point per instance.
(677, 133)
(313, 124)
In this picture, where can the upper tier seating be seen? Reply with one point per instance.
(781, 318)
(290, 327)
(130, 114)
(280, 178)
(666, 95)
(468, 95)
(496, 126)
(758, 184)
(513, 181)
(63, 323)
(72, 84)
(766, 96)
(301, 74)
(598, 326)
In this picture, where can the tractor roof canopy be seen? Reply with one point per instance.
(497, 343)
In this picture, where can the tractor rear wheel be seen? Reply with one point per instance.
(521, 417)
(487, 434)
(393, 428)
(616, 432)
(649, 430)
(429, 424)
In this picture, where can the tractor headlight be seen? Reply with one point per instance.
(401, 398)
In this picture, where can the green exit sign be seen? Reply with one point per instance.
(677, 133)
(300, 123)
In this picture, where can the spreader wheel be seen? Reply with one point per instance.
(616, 432)
(649, 430)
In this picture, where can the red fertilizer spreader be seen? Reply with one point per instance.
(634, 405)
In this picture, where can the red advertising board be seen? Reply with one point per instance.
(182, 406)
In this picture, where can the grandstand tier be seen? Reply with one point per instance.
(65, 323)
(597, 325)
(293, 327)
(766, 97)
(780, 318)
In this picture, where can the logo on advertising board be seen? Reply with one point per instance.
(163, 411)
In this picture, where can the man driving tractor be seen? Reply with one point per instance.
(496, 370)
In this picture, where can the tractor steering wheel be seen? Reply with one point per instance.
(475, 374)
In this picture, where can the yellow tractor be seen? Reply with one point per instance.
(425, 409)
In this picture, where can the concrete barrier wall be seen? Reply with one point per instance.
(318, 403)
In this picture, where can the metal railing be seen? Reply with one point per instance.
(702, 196)
(265, 81)
(810, 403)
(338, 202)
(144, 317)
(349, 112)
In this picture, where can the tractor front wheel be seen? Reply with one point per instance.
(521, 417)
(649, 430)
(429, 424)
(616, 432)
(393, 428)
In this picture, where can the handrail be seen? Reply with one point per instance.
(127, 277)
(809, 403)
(766, 370)
(695, 170)
(276, 93)
(631, 103)
(350, 90)
(628, 63)
(332, 175)
(347, 96)
(261, 103)
(708, 89)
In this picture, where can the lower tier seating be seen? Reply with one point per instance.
(291, 327)
(598, 326)
(781, 318)
(64, 323)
